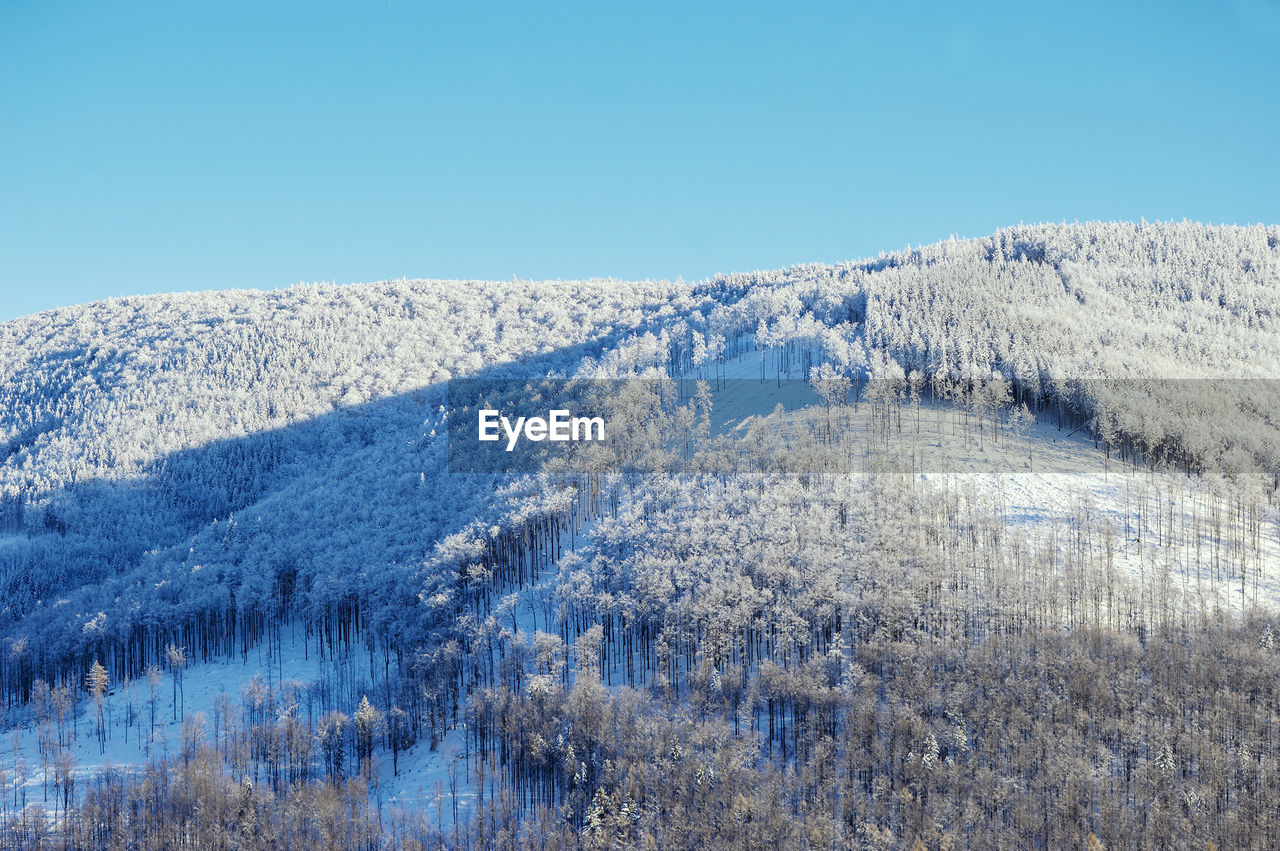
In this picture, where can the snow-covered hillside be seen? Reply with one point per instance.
(1054, 428)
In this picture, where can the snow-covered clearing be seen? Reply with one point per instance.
(1041, 478)
(145, 719)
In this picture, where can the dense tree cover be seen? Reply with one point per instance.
(761, 672)
(179, 468)
(802, 644)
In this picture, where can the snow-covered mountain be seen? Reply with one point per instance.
(194, 471)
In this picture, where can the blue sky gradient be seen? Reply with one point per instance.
(160, 146)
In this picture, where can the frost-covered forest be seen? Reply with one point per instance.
(1012, 580)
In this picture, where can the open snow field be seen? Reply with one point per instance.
(1041, 478)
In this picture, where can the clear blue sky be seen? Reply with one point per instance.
(157, 146)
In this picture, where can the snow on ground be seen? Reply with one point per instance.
(428, 780)
(1042, 478)
(1039, 477)
(128, 709)
(434, 782)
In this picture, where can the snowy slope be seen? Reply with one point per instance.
(248, 458)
